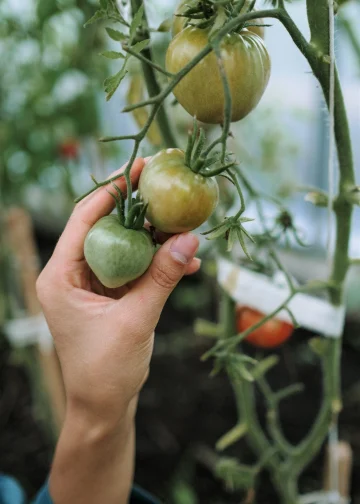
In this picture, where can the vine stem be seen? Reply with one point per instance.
(151, 81)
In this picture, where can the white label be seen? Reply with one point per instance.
(264, 294)
(28, 331)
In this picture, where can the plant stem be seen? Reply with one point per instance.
(151, 81)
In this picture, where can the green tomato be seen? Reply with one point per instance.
(178, 199)
(246, 63)
(115, 254)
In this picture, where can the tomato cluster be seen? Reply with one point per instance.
(177, 192)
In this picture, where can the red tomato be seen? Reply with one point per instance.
(270, 335)
(69, 149)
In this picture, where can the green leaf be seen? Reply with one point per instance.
(112, 83)
(100, 14)
(116, 35)
(112, 55)
(136, 22)
(139, 46)
(236, 476)
(104, 4)
(183, 493)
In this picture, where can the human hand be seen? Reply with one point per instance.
(104, 337)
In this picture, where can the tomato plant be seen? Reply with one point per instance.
(118, 249)
(218, 71)
(246, 63)
(271, 334)
(178, 199)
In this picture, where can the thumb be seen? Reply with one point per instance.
(151, 291)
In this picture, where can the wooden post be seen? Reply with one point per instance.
(344, 458)
(21, 240)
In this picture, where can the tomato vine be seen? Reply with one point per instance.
(284, 460)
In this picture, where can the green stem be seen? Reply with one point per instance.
(151, 81)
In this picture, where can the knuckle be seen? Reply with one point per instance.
(164, 277)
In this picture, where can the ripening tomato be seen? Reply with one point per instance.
(200, 92)
(69, 149)
(270, 335)
(178, 199)
(115, 254)
(180, 22)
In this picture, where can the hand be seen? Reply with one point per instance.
(104, 338)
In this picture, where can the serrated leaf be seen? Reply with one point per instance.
(139, 46)
(236, 476)
(136, 22)
(100, 14)
(112, 55)
(116, 35)
(112, 83)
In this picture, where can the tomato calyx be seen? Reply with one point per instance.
(197, 158)
(135, 217)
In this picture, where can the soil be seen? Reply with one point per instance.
(182, 413)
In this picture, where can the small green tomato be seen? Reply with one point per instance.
(115, 254)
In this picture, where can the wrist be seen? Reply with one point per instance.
(100, 420)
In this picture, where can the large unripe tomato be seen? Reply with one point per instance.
(115, 254)
(178, 199)
(200, 92)
(270, 335)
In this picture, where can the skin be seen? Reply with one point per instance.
(104, 340)
(179, 200)
(115, 254)
(272, 334)
(247, 66)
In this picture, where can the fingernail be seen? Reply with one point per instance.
(184, 248)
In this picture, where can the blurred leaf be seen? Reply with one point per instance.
(112, 83)
(116, 35)
(236, 476)
(112, 55)
(139, 46)
(183, 493)
(100, 14)
(136, 22)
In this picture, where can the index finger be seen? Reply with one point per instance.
(70, 246)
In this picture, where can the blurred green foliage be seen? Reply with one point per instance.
(51, 74)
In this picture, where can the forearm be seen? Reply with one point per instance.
(94, 460)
